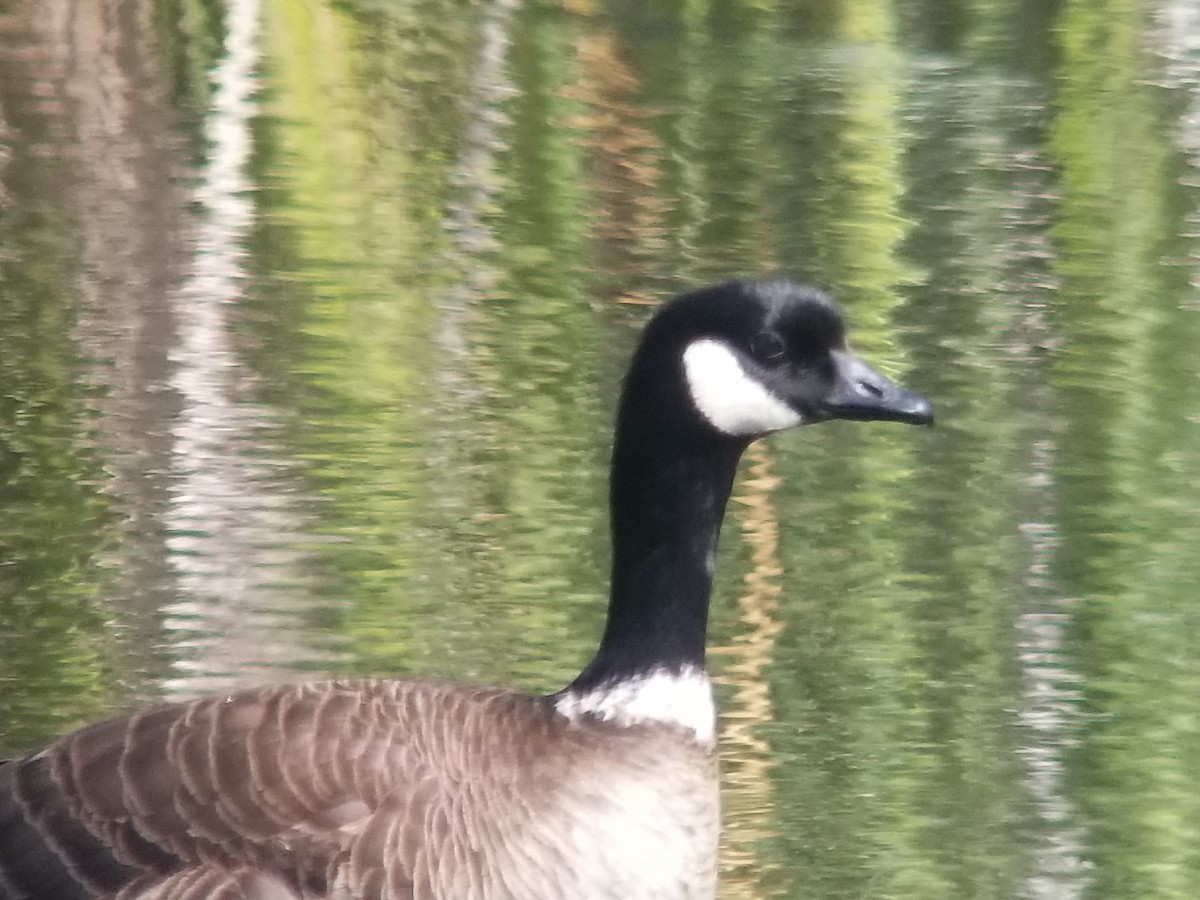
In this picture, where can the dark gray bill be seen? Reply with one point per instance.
(860, 392)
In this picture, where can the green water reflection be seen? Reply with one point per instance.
(312, 314)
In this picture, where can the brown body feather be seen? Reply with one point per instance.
(375, 789)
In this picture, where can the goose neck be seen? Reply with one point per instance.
(668, 496)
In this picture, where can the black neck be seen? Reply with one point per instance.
(671, 480)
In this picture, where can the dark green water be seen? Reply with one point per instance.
(312, 314)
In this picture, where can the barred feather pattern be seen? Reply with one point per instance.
(371, 790)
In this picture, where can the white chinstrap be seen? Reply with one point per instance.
(727, 397)
(683, 698)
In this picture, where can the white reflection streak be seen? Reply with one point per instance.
(219, 515)
(474, 178)
(475, 185)
(1050, 697)
(1176, 38)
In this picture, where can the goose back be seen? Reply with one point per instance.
(367, 789)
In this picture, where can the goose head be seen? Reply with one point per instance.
(754, 357)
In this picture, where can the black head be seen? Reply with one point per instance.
(752, 357)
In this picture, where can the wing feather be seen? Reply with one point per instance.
(362, 784)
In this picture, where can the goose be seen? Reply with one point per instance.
(425, 788)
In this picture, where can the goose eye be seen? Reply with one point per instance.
(767, 347)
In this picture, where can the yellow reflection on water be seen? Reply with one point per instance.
(747, 758)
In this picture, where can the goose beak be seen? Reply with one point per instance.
(859, 392)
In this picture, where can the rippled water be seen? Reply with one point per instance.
(312, 315)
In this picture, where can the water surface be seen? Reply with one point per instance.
(313, 313)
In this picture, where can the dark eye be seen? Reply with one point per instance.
(767, 347)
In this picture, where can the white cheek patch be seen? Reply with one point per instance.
(684, 699)
(727, 397)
